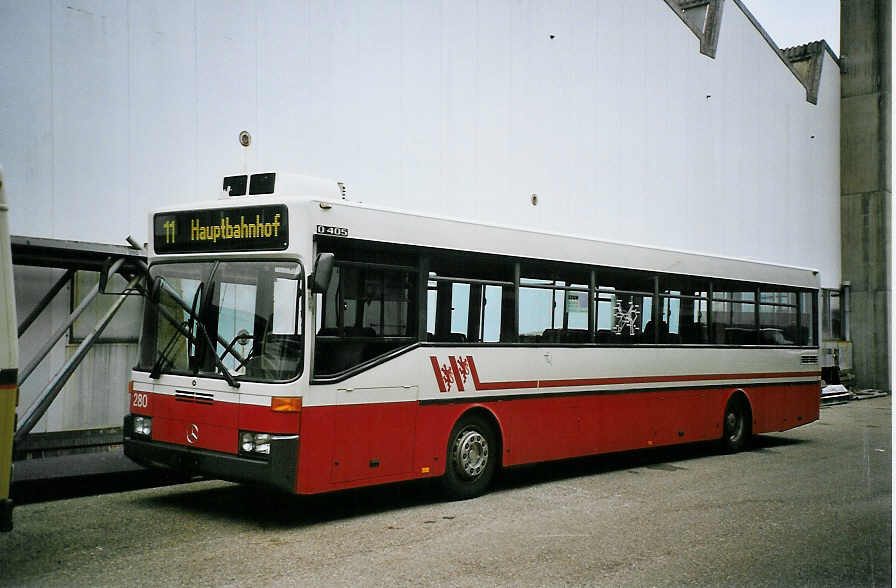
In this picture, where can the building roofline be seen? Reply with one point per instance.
(810, 96)
(709, 38)
(826, 47)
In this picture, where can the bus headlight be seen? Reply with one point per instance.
(143, 426)
(263, 443)
(247, 442)
(255, 444)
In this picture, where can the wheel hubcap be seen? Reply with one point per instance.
(471, 453)
(733, 424)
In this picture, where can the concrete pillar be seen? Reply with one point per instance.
(865, 194)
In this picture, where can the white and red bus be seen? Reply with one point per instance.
(298, 340)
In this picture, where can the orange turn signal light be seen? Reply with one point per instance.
(286, 404)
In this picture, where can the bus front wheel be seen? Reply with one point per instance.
(736, 425)
(472, 458)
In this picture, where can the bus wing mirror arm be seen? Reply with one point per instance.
(155, 289)
(322, 271)
(112, 265)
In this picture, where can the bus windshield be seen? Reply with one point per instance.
(227, 319)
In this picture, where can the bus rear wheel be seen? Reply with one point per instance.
(472, 458)
(736, 425)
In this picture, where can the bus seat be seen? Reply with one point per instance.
(578, 336)
(360, 332)
(649, 333)
(549, 336)
(671, 339)
(565, 336)
(740, 336)
(334, 356)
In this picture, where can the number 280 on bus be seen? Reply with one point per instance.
(311, 344)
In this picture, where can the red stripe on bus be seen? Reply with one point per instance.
(511, 385)
(496, 385)
(682, 378)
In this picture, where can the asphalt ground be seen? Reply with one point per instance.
(85, 474)
(807, 507)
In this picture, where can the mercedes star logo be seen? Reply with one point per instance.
(193, 434)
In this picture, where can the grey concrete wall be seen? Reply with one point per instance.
(866, 201)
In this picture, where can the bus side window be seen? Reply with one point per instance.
(554, 304)
(625, 307)
(734, 314)
(448, 312)
(366, 312)
(464, 304)
(684, 302)
(778, 316)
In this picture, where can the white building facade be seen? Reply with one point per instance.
(608, 112)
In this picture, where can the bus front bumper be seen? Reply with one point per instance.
(278, 472)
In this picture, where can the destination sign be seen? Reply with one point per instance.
(247, 228)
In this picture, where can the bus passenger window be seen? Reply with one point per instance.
(684, 303)
(778, 317)
(734, 314)
(624, 307)
(463, 313)
(554, 304)
(536, 309)
(491, 314)
(366, 312)
(466, 299)
(553, 311)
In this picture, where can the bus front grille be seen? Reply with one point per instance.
(194, 397)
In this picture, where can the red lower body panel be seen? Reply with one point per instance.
(357, 445)
(350, 446)
(784, 406)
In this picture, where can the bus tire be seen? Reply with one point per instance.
(472, 458)
(735, 425)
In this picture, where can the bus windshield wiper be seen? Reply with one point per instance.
(196, 319)
(227, 376)
(157, 367)
(182, 330)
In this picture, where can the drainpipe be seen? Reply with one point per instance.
(844, 309)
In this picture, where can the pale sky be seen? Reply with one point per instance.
(795, 22)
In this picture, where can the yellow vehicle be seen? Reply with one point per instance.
(9, 362)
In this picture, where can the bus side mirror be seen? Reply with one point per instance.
(323, 270)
